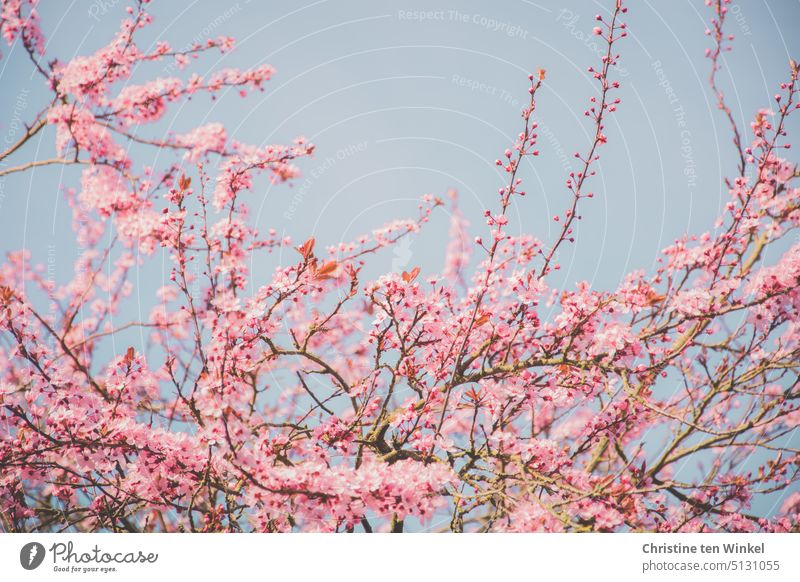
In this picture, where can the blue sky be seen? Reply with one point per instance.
(410, 98)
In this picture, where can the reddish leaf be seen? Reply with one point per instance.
(307, 248)
(481, 320)
(6, 294)
(473, 395)
(654, 298)
(409, 277)
(326, 270)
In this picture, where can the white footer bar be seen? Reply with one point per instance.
(403, 557)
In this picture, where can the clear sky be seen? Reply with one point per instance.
(413, 97)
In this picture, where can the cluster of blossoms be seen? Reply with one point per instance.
(480, 398)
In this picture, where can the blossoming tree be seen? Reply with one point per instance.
(322, 401)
